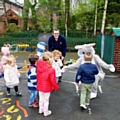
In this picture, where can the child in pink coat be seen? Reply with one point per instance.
(5, 51)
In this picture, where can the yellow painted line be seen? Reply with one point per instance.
(12, 109)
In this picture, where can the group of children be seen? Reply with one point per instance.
(8, 70)
(44, 74)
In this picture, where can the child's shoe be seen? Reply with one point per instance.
(48, 113)
(18, 94)
(83, 106)
(8, 93)
(87, 104)
(33, 105)
(36, 101)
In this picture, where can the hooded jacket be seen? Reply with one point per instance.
(11, 75)
(46, 79)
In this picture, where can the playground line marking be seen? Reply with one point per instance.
(23, 109)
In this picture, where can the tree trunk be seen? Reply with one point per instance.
(67, 15)
(25, 15)
(95, 22)
(102, 29)
(4, 7)
(104, 17)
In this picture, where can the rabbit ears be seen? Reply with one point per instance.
(85, 45)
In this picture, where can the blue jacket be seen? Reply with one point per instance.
(86, 73)
(32, 82)
(60, 44)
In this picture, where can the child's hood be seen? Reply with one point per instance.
(7, 66)
(5, 50)
(42, 66)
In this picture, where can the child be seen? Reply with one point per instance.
(57, 64)
(32, 82)
(11, 75)
(86, 74)
(46, 82)
(41, 48)
(5, 51)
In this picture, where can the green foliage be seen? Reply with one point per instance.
(44, 21)
(11, 27)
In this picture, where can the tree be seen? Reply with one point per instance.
(25, 15)
(4, 7)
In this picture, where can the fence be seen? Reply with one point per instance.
(108, 46)
(31, 38)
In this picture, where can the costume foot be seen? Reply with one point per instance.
(93, 95)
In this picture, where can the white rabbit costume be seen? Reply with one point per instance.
(96, 60)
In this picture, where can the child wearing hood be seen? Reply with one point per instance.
(46, 82)
(5, 52)
(11, 75)
(41, 48)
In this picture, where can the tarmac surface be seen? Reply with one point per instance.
(65, 102)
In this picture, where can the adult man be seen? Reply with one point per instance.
(57, 42)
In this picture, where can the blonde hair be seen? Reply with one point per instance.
(88, 56)
(47, 56)
(56, 52)
(11, 59)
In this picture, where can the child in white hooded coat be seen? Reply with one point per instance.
(11, 75)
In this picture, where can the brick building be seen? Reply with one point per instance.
(13, 12)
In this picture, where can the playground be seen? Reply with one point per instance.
(63, 103)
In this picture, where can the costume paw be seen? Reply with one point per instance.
(93, 95)
(112, 68)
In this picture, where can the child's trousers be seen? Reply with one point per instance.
(85, 93)
(33, 96)
(15, 88)
(44, 102)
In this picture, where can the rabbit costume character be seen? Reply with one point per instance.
(96, 60)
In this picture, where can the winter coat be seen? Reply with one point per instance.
(57, 66)
(46, 78)
(11, 75)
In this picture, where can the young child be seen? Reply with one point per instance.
(41, 48)
(46, 82)
(11, 75)
(32, 82)
(86, 74)
(5, 51)
(57, 64)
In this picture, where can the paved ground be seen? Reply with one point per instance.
(65, 102)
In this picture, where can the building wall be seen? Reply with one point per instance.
(2, 26)
(116, 60)
(10, 6)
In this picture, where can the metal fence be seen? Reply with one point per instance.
(108, 51)
(32, 38)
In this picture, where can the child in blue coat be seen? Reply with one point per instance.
(86, 74)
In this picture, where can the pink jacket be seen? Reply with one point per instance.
(46, 78)
(3, 62)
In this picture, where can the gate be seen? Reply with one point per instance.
(108, 51)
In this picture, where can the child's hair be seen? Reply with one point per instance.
(11, 59)
(47, 56)
(56, 52)
(33, 58)
(88, 56)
